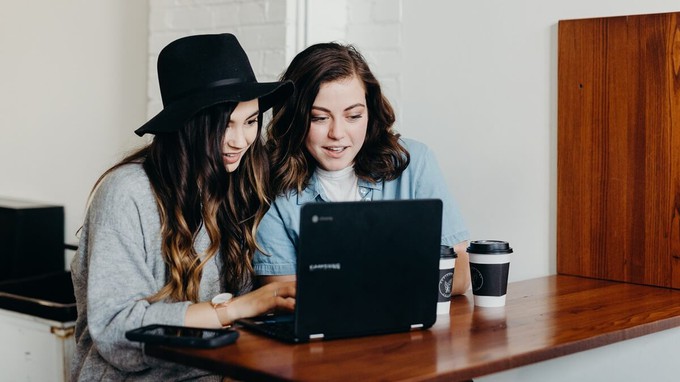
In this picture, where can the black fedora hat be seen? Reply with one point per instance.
(195, 72)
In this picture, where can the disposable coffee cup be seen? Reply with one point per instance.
(447, 263)
(489, 268)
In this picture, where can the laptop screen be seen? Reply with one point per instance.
(367, 267)
(363, 268)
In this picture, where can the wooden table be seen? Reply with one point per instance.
(544, 318)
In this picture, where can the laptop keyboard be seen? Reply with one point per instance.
(279, 329)
(282, 327)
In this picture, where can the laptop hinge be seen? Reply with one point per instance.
(417, 326)
(316, 336)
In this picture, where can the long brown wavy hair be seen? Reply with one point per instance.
(193, 188)
(381, 157)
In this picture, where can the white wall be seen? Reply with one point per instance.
(476, 80)
(72, 90)
(480, 87)
(651, 357)
(373, 26)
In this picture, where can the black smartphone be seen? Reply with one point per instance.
(183, 336)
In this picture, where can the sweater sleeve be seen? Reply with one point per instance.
(122, 272)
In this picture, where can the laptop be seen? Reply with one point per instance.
(363, 268)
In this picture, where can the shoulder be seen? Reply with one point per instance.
(284, 211)
(127, 179)
(123, 204)
(413, 146)
(416, 149)
(287, 201)
(126, 185)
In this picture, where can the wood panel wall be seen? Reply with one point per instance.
(618, 198)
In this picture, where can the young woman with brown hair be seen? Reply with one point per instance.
(333, 141)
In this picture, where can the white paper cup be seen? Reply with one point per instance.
(489, 268)
(447, 264)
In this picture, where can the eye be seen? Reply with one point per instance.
(356, 117)
(319, 118)
(252, 122)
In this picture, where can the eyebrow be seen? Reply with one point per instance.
(346, 109)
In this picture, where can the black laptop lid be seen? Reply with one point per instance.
(367, 267)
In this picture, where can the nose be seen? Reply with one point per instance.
(336, 130)
(235, 137)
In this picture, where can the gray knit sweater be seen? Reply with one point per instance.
(118, 264)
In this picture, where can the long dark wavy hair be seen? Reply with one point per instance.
(381, 157)
(193, 188)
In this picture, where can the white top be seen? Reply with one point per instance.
(341, 185)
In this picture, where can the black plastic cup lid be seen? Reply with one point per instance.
(445, 252)
(489, 247)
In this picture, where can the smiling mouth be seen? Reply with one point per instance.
(231, 157)
(335, 149)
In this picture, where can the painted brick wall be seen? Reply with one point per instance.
(265, 28)
(273, 31)
(374, 26)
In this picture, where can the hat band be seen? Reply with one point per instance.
(214, 84)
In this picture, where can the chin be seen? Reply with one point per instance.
(335, 167)
(232, 167)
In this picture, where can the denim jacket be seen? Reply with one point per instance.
(279, 231)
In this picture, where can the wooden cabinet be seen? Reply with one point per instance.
(618, 199)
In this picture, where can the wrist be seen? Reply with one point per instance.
(220, 304)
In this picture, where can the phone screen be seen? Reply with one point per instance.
(183, 336)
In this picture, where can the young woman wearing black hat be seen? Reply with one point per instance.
(333, 141)
(170, 230)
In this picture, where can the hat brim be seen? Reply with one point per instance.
(175, 115)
